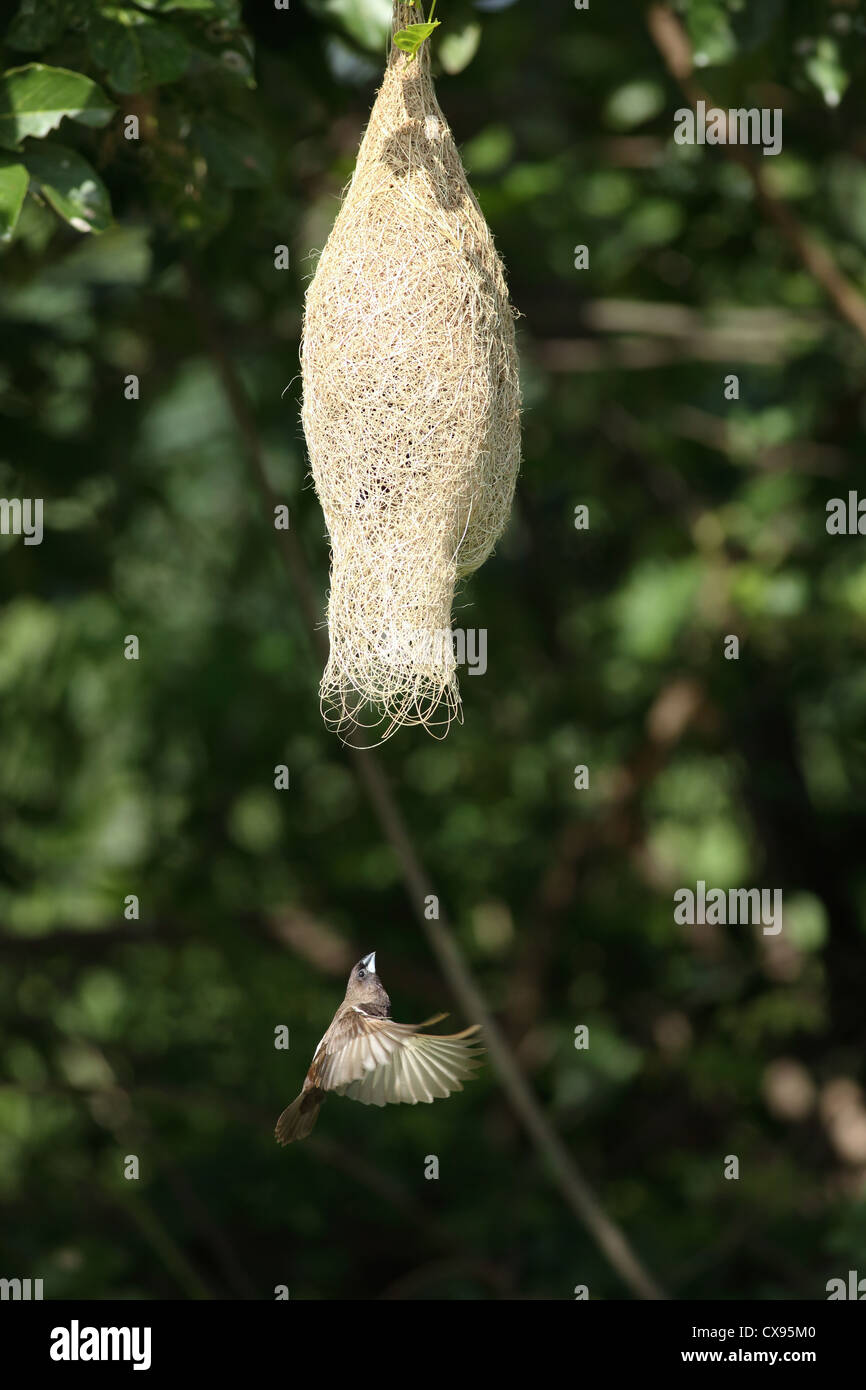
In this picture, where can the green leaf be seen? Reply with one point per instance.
(411, 38)
(236, 153)
(824, 68)
(35, 98)
(368, 22)
(711, 33)
(633, 103)
(459, 46)
(70, 185)
(490, 150)
(135, 50)
(13, 185)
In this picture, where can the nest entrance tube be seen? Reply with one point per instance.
(411, 408)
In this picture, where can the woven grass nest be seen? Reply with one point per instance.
(411, 409)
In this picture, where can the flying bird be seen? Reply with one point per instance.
(368, 1057)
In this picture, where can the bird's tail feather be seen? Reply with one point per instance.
(298, 1118)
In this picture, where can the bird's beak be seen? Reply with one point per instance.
(369, 962)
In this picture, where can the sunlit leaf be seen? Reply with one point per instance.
(710, 31)
(824, 68)
(70, 185)
(458, 46)
(633, 103)
(411, 38)
(34, 100)
(368, 22)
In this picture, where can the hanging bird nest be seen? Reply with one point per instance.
(411, 408)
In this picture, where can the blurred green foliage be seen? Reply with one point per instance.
(155, 777)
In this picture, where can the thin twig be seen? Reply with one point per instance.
(577, 1192)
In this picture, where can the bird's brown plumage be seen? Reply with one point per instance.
(367, 1057)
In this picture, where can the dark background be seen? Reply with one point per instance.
(707, 517)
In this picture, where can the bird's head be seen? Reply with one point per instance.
(364, 985)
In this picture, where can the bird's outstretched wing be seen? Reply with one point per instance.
(380, 1062)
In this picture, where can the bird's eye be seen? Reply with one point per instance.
(361, 973)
